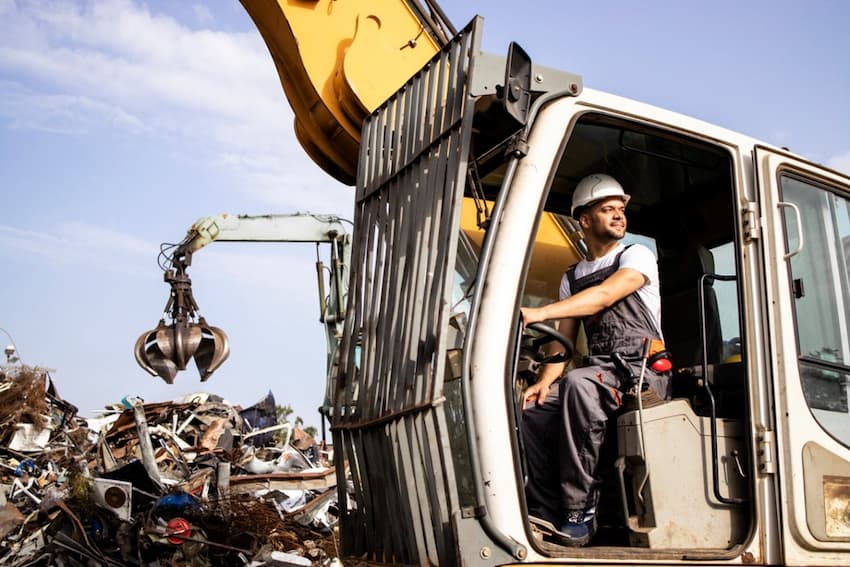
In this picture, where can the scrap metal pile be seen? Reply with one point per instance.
(194, 481)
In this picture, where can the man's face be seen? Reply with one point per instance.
(606, 219)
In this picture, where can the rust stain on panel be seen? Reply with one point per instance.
(836, 504)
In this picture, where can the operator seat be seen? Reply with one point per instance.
(680, 269)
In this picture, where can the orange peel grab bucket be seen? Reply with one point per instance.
(167, 349)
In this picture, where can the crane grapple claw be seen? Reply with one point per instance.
(178, 343)
(150, 356)
(169, 347)
(213, 350)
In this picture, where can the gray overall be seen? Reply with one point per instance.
(563, 437)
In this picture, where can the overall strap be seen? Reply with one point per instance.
(571, 275)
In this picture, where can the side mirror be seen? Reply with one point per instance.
(516, 95)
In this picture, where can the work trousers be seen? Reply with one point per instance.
(563, 438)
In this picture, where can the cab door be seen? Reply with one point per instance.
(806, 216)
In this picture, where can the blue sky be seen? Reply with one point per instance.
(122, 122)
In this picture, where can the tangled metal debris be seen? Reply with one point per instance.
(194, 481)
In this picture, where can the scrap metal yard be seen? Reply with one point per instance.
(193, 481)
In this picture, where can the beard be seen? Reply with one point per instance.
(607, 233)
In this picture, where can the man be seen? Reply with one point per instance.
(614, 292)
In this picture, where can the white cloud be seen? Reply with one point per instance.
(105, 240)
(293, 189)
(202, 13)
(79, 243)
(260, 267)
(243, 265)
(62, 113)
(113, 63)
(274, 179)
(119, 52)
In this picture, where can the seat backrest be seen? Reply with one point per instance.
(680, 270)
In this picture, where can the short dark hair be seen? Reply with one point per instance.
(580, 211)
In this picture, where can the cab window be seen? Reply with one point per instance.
(817, 228)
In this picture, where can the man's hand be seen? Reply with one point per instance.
(535, 394)
(531, 315)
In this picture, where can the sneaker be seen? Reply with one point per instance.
(578, 528)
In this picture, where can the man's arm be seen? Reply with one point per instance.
(590, 301)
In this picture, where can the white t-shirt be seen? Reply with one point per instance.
(638, 257)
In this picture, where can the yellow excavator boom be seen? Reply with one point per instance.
(339, 60)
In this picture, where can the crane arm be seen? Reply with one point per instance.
(169, 347)
(297, 227)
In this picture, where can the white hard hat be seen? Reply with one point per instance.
(594, 187)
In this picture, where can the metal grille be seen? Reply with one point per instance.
(388, 422)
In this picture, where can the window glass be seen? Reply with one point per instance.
(822, 306)
(727, 301)
(647, 241)
(463, 282)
